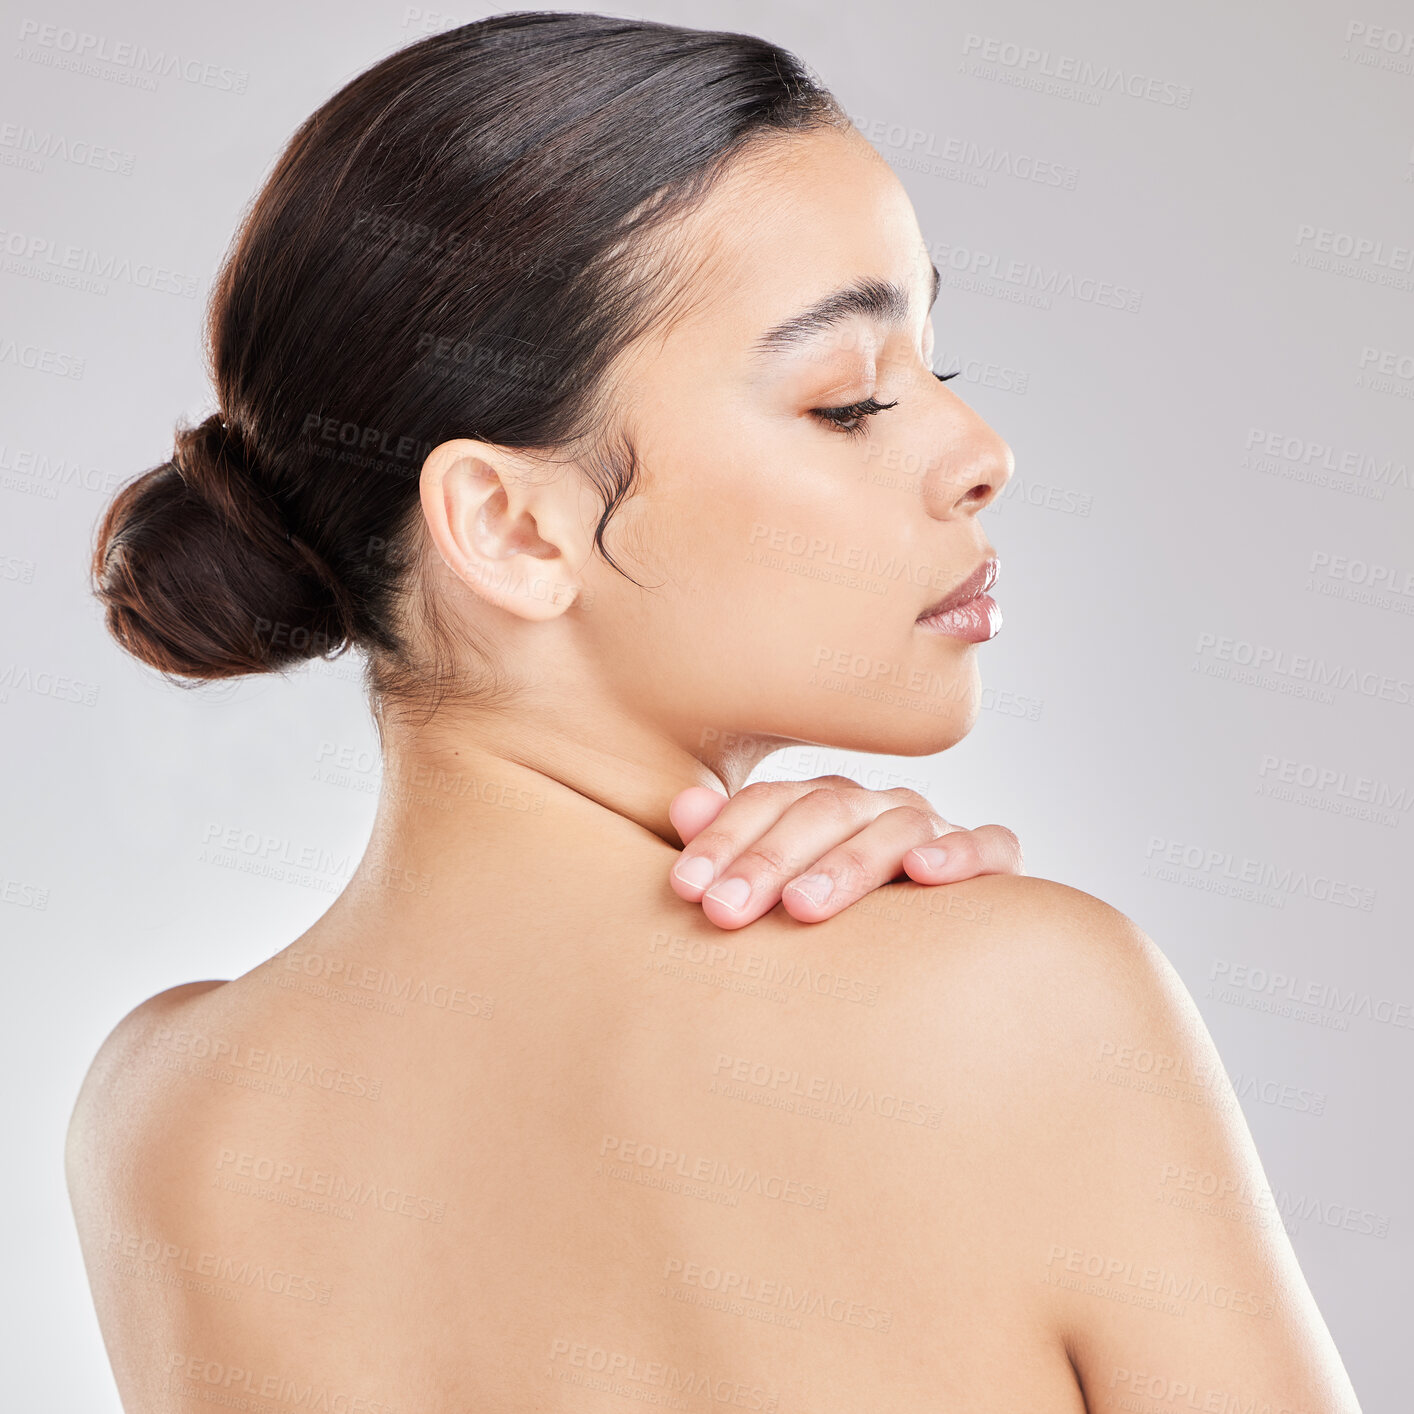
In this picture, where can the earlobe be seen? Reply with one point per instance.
(491, 527)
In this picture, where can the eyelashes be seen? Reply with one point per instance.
(851, 419)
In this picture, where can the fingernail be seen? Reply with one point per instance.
(699, 871)
(731, 893)
(931, 857)
(816, 887)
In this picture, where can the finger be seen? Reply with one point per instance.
(862, 864)
(690, 811)
(823, 855)
(964, 854)
(738, 824)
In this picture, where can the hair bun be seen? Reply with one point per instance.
(199, 575)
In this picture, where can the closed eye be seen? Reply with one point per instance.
(850, 419)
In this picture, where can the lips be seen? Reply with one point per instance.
(978, 582)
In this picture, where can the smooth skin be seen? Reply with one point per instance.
(817, 846)
(515, 1126)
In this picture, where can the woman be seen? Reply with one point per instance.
(558, 361)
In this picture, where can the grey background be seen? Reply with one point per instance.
(1146, 514)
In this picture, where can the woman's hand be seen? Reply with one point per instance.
(817, 846)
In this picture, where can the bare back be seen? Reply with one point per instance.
(586, 1149)
(623, 1156)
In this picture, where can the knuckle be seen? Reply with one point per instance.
(961, 845)
(714, 844)
(906, 796)
(764, 859)
(828, 801)
(1013, 841)
(757, 790)
(914, 817)
(1008, 837)
(851, 867)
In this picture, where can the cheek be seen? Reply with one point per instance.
(827, 563)
(763, 554)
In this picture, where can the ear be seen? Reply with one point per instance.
(510, 538)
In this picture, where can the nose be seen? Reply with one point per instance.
(969, 469)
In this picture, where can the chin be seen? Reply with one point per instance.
(932, 719)
(881, 708)
(919, 729)
(931, 736)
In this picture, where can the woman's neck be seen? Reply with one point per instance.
(452, 793)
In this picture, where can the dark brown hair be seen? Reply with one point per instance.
(453, 245)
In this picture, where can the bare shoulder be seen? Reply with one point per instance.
(1096, 1104)
(114, 1089)
(1050, 982)
(1022, 996)
(191, 1268)
(121, 1152)
(1053, 1007)
(1042, 951)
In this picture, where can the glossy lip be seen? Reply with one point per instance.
(978, 582)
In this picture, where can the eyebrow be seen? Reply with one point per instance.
(881, 300)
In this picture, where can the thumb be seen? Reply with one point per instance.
(693, 809)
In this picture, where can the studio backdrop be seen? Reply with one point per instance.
(1177, 257)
